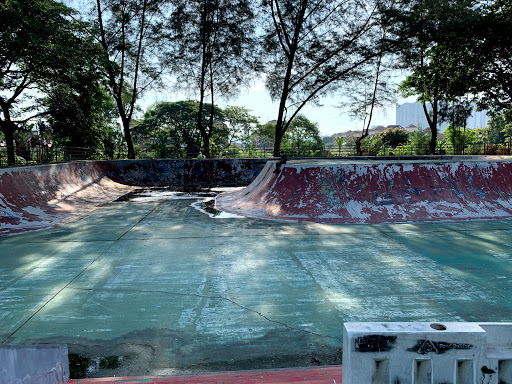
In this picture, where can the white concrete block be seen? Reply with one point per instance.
(422, 353)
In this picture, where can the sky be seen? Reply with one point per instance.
(330, 119)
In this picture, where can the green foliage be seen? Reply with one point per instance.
(436, 35)
(240, 123)
(267, 131)
(41, 48)
(386, 143)
(315, 49)
(81, 115)
(507, 131)
(372, 145)
(303, 132)
(393, 137)
(214, 53)
(497, 128)
(488, 58)
(462, 141)
(170, 129)
(419, 142)
(134, 45)
(455, 137)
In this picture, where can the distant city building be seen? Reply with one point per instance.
(372, 131)
(262, 142)
(411, 128)
(411, 114)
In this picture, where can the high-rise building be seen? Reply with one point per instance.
(412, 113)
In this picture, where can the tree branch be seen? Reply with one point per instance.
(278, 26)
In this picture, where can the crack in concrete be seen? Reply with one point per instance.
(74, 278)
(272, 235)
(213, 298)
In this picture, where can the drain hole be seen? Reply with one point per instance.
(438, 327)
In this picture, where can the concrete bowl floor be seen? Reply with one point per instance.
(170, 289)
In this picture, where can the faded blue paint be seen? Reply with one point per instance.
(184, 172)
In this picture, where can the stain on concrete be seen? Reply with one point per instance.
(173, 291)
(374, 343)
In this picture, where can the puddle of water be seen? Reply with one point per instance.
(205, 198)
(145, 195)
(110, 362)
(207, 206)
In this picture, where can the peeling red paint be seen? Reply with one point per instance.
(39, 197)
(33, 198)
(371, 192)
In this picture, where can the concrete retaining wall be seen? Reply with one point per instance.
(183, 172)
(381, 191)
(34, 364)
(421, 353)
(38, 197)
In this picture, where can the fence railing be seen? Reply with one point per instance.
(45, 155)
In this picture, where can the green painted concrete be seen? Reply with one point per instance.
(174, 290)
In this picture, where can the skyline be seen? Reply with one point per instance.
(329, 118)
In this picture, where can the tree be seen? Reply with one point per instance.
(302, 132)
(81, 115)
(369, 93)
(497, 129)
(172, 127)
(488, 58)
(267, 131)
(393, 137)
(241, 124)
(420, 142)
(80, 111)
(436, 34)
(314, 48)
(133, 39)
(38, 45)
(457, 113)
(214, 46)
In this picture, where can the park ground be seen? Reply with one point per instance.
(156, 284)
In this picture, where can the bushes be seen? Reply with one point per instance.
(386, 143)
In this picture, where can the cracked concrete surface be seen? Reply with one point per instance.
(173, 290)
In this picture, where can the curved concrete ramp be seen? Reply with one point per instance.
(33, 198)
(340, 191)
(37, 197)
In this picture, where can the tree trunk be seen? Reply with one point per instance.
(359, 151)
(433, 128)
(432, 123)
(281, 127)
(126, 127)
(278, 137)
(8, 128)
(128, 138)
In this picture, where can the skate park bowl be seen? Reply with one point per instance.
(361, 192)
(105, 258)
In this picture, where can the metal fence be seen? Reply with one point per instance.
(46, 155)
